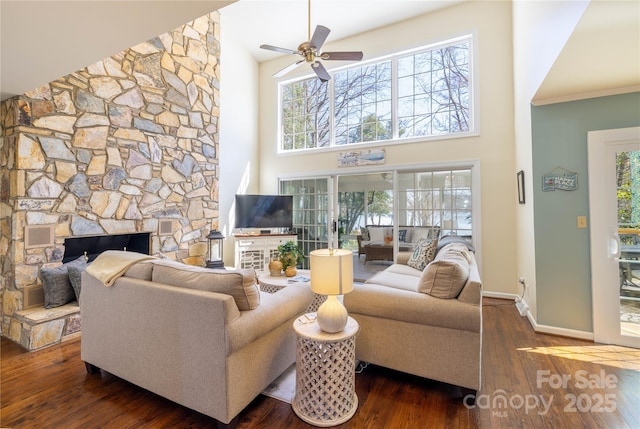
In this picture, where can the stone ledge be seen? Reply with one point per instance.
(36, 328)
(41, 314)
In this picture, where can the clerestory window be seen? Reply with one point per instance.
(424, 93)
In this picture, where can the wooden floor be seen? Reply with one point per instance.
(51, 389)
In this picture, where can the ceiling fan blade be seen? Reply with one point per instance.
(320, 71)
(319, 36)
(288, 68)
(343, 56)
(277, 49)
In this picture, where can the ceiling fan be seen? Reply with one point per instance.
(311, 52)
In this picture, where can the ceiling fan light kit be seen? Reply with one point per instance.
(311, 52)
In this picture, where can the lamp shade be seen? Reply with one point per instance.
(331, 271)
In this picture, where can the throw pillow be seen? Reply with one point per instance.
(423, 253)
(376, 234)
(364, 232)
(75, 277)
(240, 284)
(446, 276)
(57, 285)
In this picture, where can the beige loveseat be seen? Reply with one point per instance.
(427, 323)
(162, 328)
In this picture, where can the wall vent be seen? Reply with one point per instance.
(33, 296)
(38, 236)
(165, 227)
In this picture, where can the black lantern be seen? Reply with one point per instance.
(215, 249)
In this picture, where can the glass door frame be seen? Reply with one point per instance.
(605, 243)
(333, 177)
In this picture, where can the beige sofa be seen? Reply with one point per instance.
(427, 323)
(160, 328)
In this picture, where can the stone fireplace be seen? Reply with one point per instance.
(128, 144)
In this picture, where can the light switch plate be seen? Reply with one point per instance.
(582, 221)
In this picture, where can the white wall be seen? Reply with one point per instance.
(541, 30)
(494, 147)
(239, 150)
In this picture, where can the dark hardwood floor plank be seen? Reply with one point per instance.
(51, 388)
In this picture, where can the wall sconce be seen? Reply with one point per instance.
(216, 259)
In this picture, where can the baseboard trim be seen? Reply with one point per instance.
(499, 295)
(543, 329)
(562, 332)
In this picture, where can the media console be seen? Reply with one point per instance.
(254, 251)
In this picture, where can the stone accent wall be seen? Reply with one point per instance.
(113, 148)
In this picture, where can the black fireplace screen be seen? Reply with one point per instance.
(94, 245)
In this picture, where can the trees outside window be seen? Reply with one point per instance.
(426, 92)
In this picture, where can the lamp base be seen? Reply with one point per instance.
(332, 315)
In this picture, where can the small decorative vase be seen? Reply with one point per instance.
(290, 271)
(275, 268)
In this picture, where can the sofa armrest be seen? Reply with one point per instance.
(403, 257)
(412, 307)
(471, 293)
(274, 310)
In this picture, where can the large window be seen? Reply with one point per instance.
(423, 93)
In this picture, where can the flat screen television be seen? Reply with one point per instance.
(264, 211)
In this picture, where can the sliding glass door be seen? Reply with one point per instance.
(331, 211)
(312, 208)
(436, 198)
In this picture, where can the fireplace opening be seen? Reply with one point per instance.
(92, 246)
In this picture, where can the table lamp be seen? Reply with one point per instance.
(331, 275)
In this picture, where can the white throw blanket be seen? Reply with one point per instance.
(111, 264)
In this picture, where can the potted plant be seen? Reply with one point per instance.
(290, 255)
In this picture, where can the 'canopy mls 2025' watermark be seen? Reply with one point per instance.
(588, 402)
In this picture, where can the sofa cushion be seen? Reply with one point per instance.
(395, 280)
(423, 253)
(57, 285)
(447, 274)
(240, 284)
(404, 269)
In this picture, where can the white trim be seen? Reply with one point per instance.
(543, 329)
(586, 95)
(563, 332)
(500, 295)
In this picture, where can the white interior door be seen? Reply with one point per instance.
(614, 206)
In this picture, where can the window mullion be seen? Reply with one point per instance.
(394, 99)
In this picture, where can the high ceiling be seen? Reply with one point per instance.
(43, 40)
(602, 54)
(285, 23)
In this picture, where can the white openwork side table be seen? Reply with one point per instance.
(325, 373)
